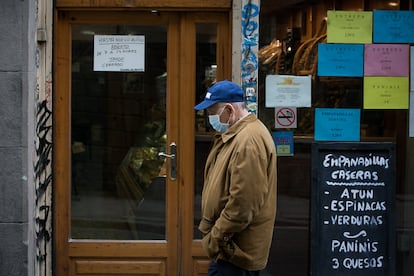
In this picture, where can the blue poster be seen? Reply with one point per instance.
(341, 60)
(337, 124)
(393, 26)
(284, 142)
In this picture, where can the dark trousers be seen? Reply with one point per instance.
(223, 268)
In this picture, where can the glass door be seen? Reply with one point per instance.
(124, 166)
(116, 183)
(118, 133)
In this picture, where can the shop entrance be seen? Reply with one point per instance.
(126, 169)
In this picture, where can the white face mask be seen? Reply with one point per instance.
(214, 121)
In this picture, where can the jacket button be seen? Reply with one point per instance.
(226, 238)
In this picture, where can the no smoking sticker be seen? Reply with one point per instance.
(285, 117)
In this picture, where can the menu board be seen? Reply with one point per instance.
(352, 209)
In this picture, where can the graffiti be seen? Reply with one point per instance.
(37, 58)
(37, 91)
(43, 180)
(42, 140)
(48, 90)
(43, 150)
(250, 38)
(42, 234)
(249, 62)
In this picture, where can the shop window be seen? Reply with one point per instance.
(289, 36)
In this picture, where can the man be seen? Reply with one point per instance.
(239, 194)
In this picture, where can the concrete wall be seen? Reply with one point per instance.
(15, 76)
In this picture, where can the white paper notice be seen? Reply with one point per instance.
(119, 53)
(287, 90)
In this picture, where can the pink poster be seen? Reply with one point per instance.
(386, 60)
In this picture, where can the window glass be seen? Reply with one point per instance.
(206, 69)
(289, 34)
(117, 131)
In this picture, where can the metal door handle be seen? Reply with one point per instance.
(173, 160)
(163, 154)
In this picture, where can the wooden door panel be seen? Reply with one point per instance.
(118, 267)
(200, 259)
(200, 266)
(118, 258)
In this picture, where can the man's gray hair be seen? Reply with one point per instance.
(239, 105)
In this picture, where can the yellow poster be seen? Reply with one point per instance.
(349, 27)
(386, 92)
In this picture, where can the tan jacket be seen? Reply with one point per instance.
(239, 195)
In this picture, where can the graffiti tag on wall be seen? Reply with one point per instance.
(43, 150)
(43, 185)
(249, 61)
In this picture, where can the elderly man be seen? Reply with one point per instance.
(239, 193)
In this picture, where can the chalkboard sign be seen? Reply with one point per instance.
(352, 209)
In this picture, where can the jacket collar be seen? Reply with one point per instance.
(236, 128)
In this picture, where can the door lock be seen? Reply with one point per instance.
(173, 160)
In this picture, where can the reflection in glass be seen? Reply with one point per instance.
(206, 69)
(117, 130)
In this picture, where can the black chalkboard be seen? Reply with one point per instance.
(352, 209)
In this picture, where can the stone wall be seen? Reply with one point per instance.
(16, 81)
(15, 76)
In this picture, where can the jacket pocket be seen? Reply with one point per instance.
(238, 256)
(210, 246)
(227, 250)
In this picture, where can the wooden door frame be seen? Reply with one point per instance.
(145, 4)
(65, 247)
(178, 109)
(196, 252)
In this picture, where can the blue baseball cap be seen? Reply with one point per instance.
(221, 92)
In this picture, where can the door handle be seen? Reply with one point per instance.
(173, 160)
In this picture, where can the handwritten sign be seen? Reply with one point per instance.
(119, 53)
(337, 124)
(349, 27)
(287, 90)
(352, 209)
(386, 60)
(386, 92)
(341, 60)
(393, 26)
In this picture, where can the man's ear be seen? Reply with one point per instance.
(230, 107)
